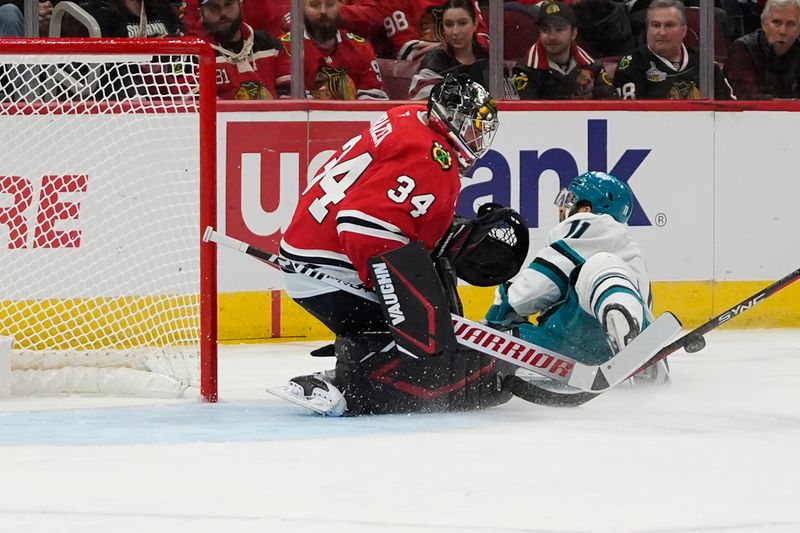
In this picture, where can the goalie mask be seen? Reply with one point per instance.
(463, 111)
(489, 250)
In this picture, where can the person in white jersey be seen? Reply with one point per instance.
(589, 285)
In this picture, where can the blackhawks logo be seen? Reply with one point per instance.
(520, 82)
(441, 156)
(251, 90)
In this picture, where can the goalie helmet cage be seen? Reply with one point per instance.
(106, 181)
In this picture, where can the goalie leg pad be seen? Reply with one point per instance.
(413, 300)
(379, 380)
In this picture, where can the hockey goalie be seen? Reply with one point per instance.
(373, 216)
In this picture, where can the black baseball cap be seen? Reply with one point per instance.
(556, 10)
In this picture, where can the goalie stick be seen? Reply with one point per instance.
(692, 342)
(501, 345)
(281, 263)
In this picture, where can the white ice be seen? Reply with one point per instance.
(717, 451)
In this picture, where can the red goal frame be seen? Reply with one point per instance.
(207, 159)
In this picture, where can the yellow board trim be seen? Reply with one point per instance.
(101, 323)
(117, 323)
(247, 316)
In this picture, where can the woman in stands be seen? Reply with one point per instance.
(460, 52)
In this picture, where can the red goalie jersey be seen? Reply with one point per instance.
(394, 183)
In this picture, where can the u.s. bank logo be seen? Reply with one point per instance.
(534, 163)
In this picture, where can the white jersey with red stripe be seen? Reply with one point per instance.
(394, 183)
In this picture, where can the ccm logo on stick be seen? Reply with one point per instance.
(21, 212)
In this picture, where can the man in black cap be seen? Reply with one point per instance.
(557, 68)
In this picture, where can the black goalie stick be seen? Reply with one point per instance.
(691, 342)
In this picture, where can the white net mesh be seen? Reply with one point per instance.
(99, 215)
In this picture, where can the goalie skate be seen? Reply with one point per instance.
(314, 392)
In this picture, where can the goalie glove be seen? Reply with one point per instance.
(488, 250)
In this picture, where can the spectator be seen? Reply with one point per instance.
(399, 29)
(402, 29)
(603, 27)
(246, 58)
(12, 20)
(12, 23)
(664, 68)
(637, 13)
(459, 54)
(135, 18)
(555, 67)
(263, 15)
(365, 17)
(765, 64)
(338, 65)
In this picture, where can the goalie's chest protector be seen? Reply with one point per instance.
(394, 183)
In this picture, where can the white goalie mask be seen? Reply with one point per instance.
(464, 111)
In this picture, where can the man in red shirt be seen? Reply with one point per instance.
(395, 183)
(246, 59)
(410, 28)
(403, 29)
(338, 65)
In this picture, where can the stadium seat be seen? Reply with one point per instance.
(519, 29)
(610, 64)
(397, 76)
(693, 34)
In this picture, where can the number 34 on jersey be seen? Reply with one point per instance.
(341, 173)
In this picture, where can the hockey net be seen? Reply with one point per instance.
(106, 179)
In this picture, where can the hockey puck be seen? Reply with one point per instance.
(694, 343)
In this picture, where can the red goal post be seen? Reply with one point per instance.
(107, 179)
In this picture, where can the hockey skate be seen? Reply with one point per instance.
(621, 328)
(315, 392)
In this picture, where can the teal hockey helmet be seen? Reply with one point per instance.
(603, 192)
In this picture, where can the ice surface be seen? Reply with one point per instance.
(717, 451)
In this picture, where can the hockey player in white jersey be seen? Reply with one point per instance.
(589, 285)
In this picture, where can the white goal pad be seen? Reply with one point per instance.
(106, 179)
